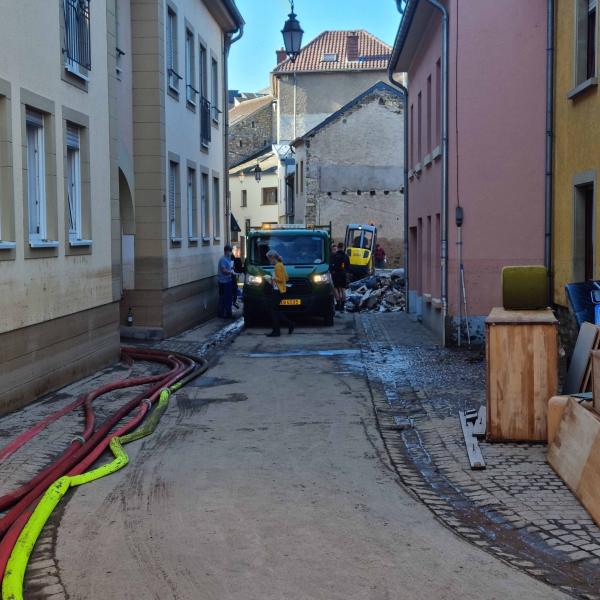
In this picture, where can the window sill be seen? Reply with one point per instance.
(206, 240)
(427, 298)
(79, 243)
(411, 174)
(43, 244)
(436, 303)
(192, 241)
(173, 91)
(437, 152)
(582, 87)
(427, 161)
(8, 245)
(215, 124)
(176, 241)
(418, 168)
(76, 73)
(191, 105)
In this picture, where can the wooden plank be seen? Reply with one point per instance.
(479, 426)
(473, 450)
(501, 315)
(596, 380)
(575, 455)
(586, 342)
(522, 375)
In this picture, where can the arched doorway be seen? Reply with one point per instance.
(127, 233)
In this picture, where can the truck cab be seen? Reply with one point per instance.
(305, 253)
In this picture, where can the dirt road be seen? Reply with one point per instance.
(268, 480)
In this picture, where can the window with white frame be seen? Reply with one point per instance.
(173, 76)
(77, 45)
(192, 205)
(586, 40)
(215, 89)
(216, 208)
(190, 68)
(36, 176)
(269, 196)
(74, 183)
(174, 202)
(244, 199)
(204, 196)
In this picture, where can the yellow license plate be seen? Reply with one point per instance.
(290, 302)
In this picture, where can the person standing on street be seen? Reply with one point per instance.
(339, 266)
(224, 277)
(379, 257)
(278, 282)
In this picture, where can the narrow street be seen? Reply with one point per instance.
(266, 478)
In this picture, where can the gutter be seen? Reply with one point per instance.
(404, 91)
(229, 39)
(405, 25)
(548, 191)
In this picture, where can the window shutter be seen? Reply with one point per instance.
(172, 199)
(33, 117)
(73, 137)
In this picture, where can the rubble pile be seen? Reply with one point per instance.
(382, 292)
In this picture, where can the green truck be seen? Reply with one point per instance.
(305, 253)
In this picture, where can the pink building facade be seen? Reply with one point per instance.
(496, 150)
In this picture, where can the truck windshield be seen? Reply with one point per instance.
(294, 249)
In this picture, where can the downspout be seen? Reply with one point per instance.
(404, 91)
(548, 191)
(444, 200)
(229, 39)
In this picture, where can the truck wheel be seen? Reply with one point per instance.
(329, 315)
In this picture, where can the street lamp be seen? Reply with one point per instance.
(257, 172)
(292, 35)
(241, 176)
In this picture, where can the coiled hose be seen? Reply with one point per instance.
(22, 525)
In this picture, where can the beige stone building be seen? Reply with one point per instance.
(112, 187)
(350, 169)
(330, 71)
(172, 157)
(59, 289)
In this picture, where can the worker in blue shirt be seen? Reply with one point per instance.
(224, 278)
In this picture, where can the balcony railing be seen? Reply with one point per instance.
(77, 33)
(205, 110)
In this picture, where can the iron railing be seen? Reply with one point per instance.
(77, 33)
(205, 110)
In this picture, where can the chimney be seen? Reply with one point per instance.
(281, 55)
(352, 46)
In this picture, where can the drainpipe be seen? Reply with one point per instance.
(229, 39)
(404, 91)
(548, 191)
(444, 204)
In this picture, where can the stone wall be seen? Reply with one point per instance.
(250, 134)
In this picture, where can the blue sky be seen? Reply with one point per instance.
(253, 57)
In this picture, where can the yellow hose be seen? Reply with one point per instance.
(12, 584)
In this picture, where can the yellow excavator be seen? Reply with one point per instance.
(360, 247)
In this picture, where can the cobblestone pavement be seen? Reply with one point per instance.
(43, 573)
(517, 508)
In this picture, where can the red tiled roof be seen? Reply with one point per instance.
(373, 54)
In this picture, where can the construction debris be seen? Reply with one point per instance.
(382, 292)
(468, 419)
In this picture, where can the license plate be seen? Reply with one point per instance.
(290, 302)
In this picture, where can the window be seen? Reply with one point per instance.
(583, 251)
(412, 136)
(419, 136)
(248, 225)
(190, 68)
(253, 125)
(241, 143)
(192, 205)
(269, 196)
(77, 49)
(173, 76)
(438, 102)
(205, 207)
(174, 202)
(204, 103)
(329, 57)
(216, 208)
(429, 114)
(301, 176)
(7, 228)
(36, 176)
(244, 199)
(215, 89)
(74, 184)
(297, 179)
(585, 40)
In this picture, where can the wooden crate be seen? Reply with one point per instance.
(522, 373)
